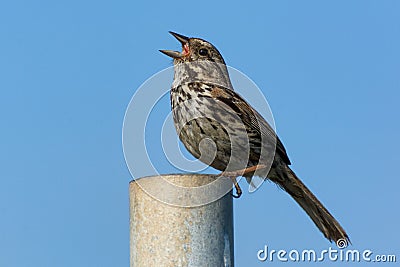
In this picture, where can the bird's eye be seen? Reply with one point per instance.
(203, 52)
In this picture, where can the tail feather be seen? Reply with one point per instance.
(322, 218)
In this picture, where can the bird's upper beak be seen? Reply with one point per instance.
(185, 46)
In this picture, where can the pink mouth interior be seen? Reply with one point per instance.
(185, 49)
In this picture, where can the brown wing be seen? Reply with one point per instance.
(257, 126)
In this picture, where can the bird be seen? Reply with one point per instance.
(221, 129)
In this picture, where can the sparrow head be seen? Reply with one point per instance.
(194, 49)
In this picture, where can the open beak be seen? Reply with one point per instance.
(185, 46)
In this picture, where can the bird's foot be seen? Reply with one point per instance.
(238, 189)
(243, 172)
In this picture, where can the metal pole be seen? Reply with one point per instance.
(166, 235)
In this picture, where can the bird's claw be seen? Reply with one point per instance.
(238, 192)
(232, 176)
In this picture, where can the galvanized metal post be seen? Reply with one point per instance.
(162, 234)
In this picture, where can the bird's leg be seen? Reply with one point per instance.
(238, 189)
(242, 172)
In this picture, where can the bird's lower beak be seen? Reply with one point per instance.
(173, 54)
(185, 46)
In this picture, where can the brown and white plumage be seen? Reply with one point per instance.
(205, 107)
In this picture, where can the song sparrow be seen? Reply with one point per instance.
(221, 129)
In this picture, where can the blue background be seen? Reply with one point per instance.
(329, 69)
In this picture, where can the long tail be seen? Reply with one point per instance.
(325, 222)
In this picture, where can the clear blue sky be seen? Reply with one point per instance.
(329, 69)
